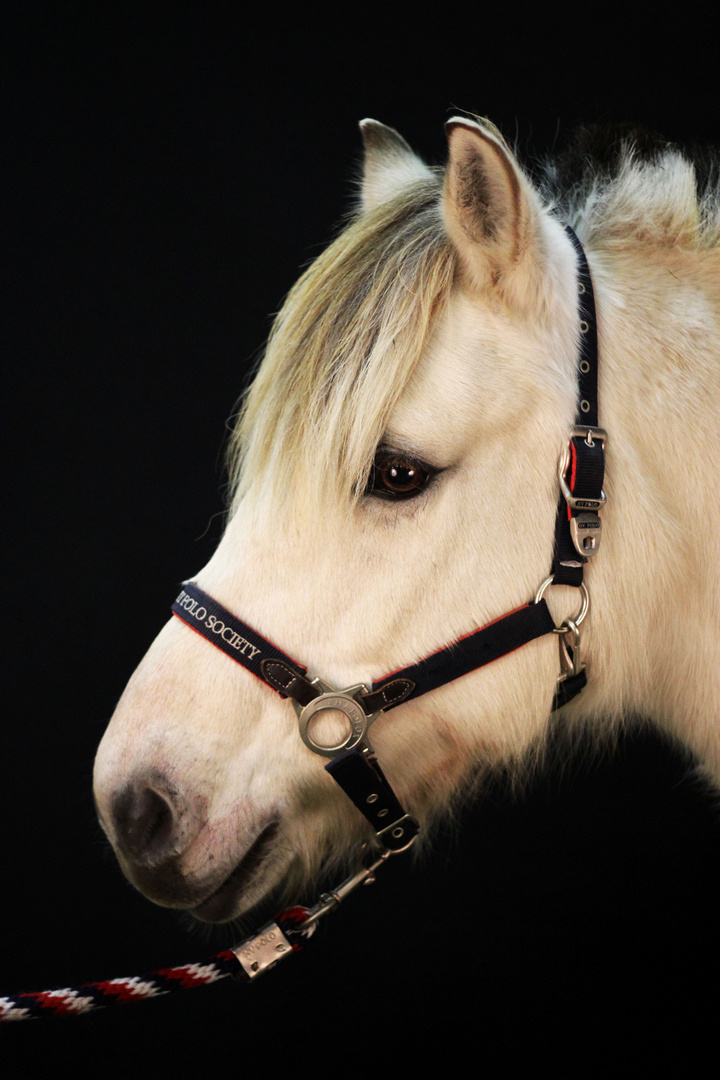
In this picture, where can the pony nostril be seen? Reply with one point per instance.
(144, 822)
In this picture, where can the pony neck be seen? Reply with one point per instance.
(653, 638)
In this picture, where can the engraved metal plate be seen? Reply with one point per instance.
(259, 953)
(586, 533)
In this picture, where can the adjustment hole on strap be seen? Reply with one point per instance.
(398, 832)
(581, 288)
(372, 798)
(584, 326)
(585, 405)
(584, 367)
(382, 813)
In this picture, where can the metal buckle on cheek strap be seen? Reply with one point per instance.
(399, 835)
(589, 433)
(585, 523)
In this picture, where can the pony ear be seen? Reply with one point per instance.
(489, 208)
(389, 165)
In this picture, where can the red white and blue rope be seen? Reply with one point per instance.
(74, 1000)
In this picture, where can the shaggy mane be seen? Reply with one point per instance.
(622, 185)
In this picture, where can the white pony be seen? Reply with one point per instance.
(395, 470)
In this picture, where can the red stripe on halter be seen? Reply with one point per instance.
(258, 677)
(455, 641)
(200, 634)
(573, 473)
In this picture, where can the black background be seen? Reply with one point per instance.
(170, 169)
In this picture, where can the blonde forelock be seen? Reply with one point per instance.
(341, 351)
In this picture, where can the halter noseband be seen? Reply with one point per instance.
(578, 530)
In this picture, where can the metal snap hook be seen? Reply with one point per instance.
(570, 661)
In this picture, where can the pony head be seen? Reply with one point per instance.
(395, 487)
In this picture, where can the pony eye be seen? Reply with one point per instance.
(397, 476)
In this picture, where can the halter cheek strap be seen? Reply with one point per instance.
(582, 467)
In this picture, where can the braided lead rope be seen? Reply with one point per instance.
(285, 935)
(74, 1000)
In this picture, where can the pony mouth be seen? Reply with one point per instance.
(222, 904)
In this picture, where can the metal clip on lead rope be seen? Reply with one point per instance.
(265, 949)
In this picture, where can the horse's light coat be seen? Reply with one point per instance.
(444, 321)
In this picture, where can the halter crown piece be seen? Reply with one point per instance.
(352, 763)
(578, 530)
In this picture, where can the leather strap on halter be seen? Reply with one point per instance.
(224, 630)
(289, 678)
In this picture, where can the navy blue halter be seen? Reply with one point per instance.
(577, 535)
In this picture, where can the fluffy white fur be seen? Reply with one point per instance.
(358, 587)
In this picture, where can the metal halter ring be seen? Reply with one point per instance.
(343, 701)
(584, 608)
